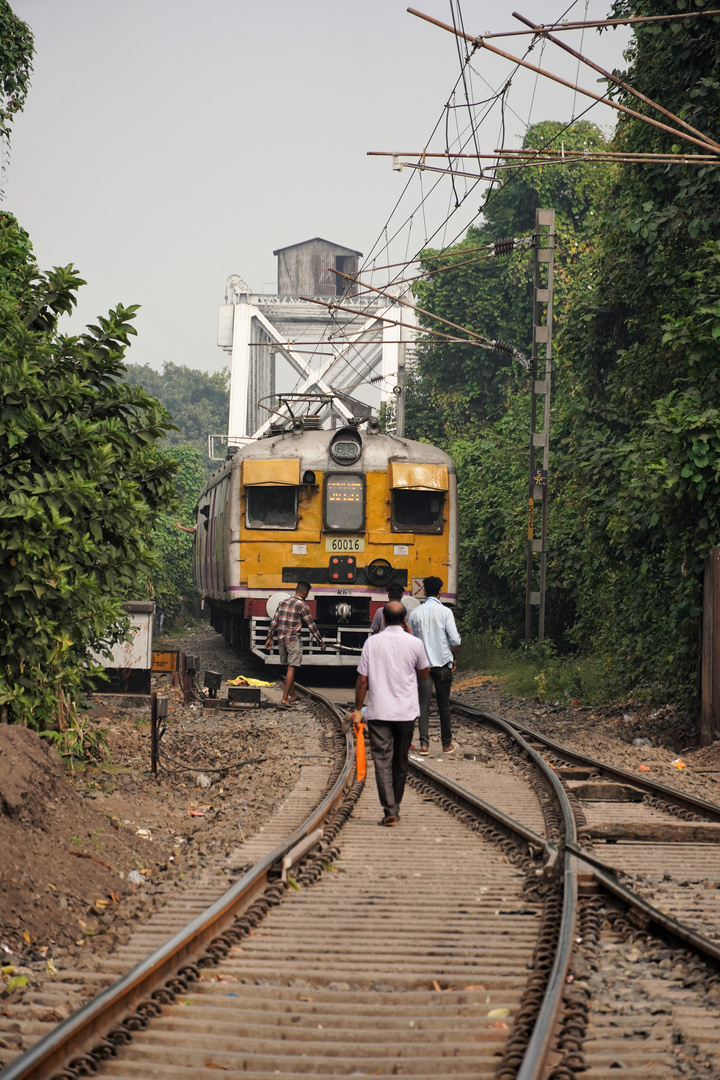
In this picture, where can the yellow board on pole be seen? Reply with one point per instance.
(165, 661)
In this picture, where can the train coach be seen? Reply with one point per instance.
(350, 510)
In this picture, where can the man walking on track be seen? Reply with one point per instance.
(435, 626)
(288, 619)
(390, 666)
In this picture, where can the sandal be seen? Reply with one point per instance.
(424, 749)
(389, 820)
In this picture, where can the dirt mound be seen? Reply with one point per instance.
(32, 775)
(64, 863)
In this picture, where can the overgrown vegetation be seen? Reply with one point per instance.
(198, 402)
(172, 583)
(635, 468)
(82, 480)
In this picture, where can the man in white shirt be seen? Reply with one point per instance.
(391, 665)
(435, 626)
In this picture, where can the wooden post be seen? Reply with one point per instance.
(185, 682)
(710, 707)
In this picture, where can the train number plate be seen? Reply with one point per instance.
(344, 544)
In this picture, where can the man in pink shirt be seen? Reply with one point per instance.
(390, 665)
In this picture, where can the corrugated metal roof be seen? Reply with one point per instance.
(322, 240)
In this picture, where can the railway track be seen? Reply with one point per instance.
(648, 859)
(485, 936)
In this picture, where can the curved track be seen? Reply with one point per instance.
(467, 941)
(649, 862)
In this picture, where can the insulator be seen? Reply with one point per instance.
(503, 347)
(504, 246)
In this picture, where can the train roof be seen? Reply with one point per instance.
(311, 447)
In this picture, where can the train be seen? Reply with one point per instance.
(350, 509)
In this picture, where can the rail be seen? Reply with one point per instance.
(136, 995)
(680, 799)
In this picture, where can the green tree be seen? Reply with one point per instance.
(82, 480)
(198, 401)
(492, 296)
(640, 426)
(474, 402)
(172, 581)
(16, 53)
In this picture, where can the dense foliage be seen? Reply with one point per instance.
(198, 401)
(172, 584)
(635, 469)
(198, 404)
(81, 480)
(16, 53)
(641, 447)
(475, 402)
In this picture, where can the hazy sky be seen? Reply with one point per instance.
(167, 144)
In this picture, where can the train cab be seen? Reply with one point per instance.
(350, 510)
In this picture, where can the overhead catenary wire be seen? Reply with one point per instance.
(480, 339)
(556, 27)
(502, 152)
(705, 142)
(577, 72)
(545, 155)
(397, 322)
(491, 101)
(619, 82)
(499, 96)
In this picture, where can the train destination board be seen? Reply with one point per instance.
(345, 504)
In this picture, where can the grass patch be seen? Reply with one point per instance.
(538, 672)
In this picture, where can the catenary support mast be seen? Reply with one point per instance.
(540, 387)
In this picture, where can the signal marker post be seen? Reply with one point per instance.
(540, 372)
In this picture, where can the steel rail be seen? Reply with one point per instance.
(489, 814)
(665, 926)
(533, 1065)
(89, 1025)
(613, 772)
(534, 1062)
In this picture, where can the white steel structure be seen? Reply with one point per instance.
(350, 348)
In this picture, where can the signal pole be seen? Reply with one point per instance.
(540, 371)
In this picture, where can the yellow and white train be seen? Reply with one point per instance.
(350, 510)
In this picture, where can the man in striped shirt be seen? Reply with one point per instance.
(288, 620)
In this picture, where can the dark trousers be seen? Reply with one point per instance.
(441, 679)
(390, 743)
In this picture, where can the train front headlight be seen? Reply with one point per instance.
(342, 612)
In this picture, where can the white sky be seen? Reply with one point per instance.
(167, 144)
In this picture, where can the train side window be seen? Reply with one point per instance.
(271, 507)
(345, 503)
(417, 511)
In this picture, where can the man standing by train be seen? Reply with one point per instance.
(435, 626)
(387, 672)
(395, 592)
(288, 620)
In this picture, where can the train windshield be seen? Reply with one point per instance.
(345, 503)
(417, 511)
(272, 507)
